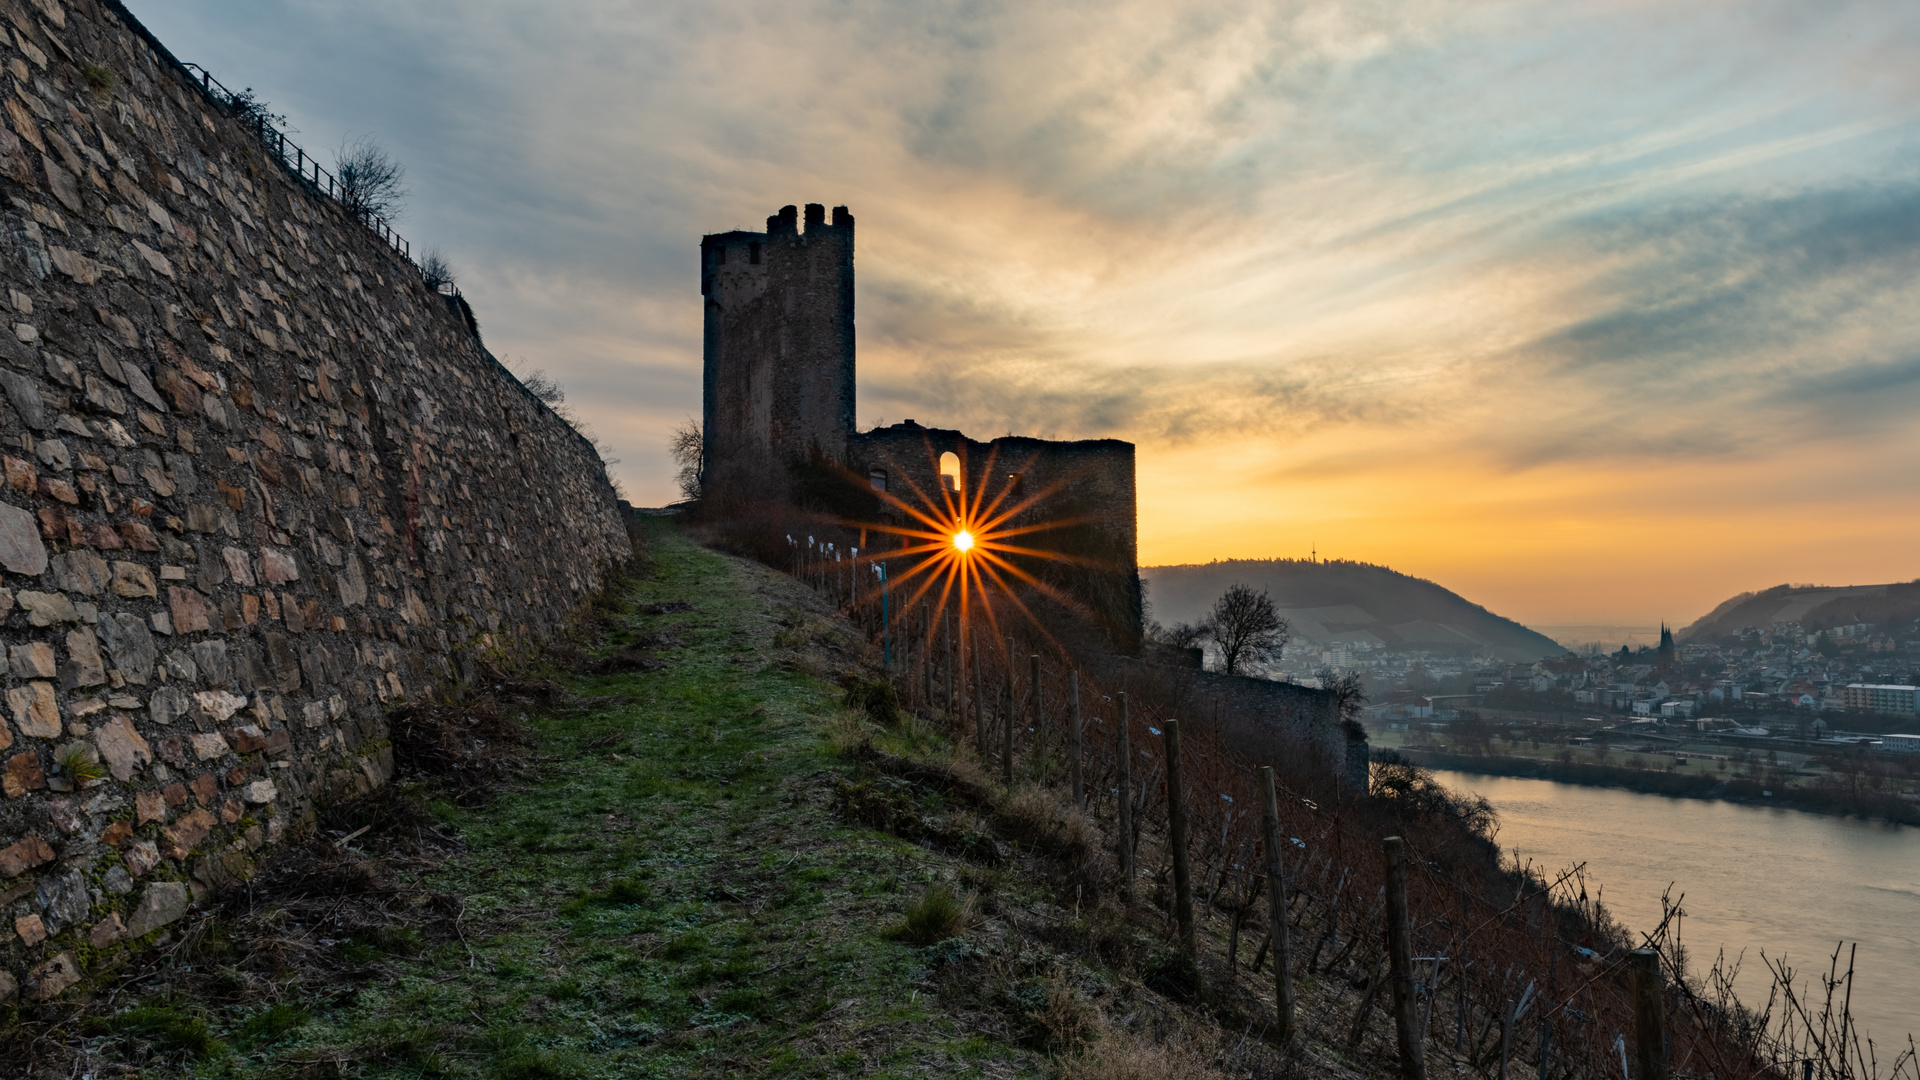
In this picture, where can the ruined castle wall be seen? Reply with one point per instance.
(1089, 482)
(779, 338)
(1250, 708)
(261, 485)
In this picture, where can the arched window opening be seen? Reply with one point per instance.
(753, 253)
(877, 479)
(1015, 486)
(950, 471)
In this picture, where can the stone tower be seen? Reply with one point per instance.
(779, 375)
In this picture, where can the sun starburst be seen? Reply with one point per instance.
(961, 546)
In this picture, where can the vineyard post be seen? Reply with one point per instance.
(979, 707)
(1177, 840)
(1006, 716)
(1277, 906)
(1413, 1063)
(1126, 800)
(1073, 768)
(1649, 1015)
(1039, 750)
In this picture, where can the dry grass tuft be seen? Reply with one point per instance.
(1124, 1056)
(848, 732)
(1062, 1020)
(1037, 816)
(937, 915)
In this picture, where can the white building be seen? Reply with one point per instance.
(1882, 698)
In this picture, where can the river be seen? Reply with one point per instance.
(1785, 882)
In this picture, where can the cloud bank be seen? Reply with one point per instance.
(1595, 310)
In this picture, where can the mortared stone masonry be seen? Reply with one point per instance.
(261, 485)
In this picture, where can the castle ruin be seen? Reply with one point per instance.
(779, 385)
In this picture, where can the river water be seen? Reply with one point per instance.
(1785, 882)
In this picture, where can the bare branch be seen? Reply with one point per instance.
(370, 178)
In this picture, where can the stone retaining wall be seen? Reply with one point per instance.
(261, 485)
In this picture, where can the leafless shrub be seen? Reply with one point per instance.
(1349, 694)
(688, 447)
(437, 272)
(247, 108)
(370, 178)
(542, 385)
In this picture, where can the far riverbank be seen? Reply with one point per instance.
(1736, 789)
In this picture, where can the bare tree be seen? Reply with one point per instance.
(688, 447)
(370, 177)
(1246, 626)
(437, 272)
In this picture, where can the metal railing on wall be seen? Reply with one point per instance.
(293, 157)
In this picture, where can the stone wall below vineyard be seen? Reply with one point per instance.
(261, 486)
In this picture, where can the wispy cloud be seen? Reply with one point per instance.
(1533, 251)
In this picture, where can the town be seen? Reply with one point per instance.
(1828, 715)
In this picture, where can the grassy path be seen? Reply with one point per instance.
(669, 893)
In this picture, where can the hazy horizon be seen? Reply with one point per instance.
(1594, 313)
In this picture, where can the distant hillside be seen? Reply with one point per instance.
(1815, 607)
(1349, 601)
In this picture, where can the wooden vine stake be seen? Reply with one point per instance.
(1277, 906)
(1006, 718)
(1039, 750)
(979, 707)
(1126, 800)
(1649, 1015)
(1406, 1023)
(1073, 767)
(1177, 840)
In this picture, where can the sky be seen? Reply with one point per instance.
(1589, 311)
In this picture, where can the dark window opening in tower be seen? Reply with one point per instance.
(877, 479)
(720, 255)
(1014, 484)
(950, 471)
(753, 253)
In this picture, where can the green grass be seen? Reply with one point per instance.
(671, 894)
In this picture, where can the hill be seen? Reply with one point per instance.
(1349, 601)
(1816, 607)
